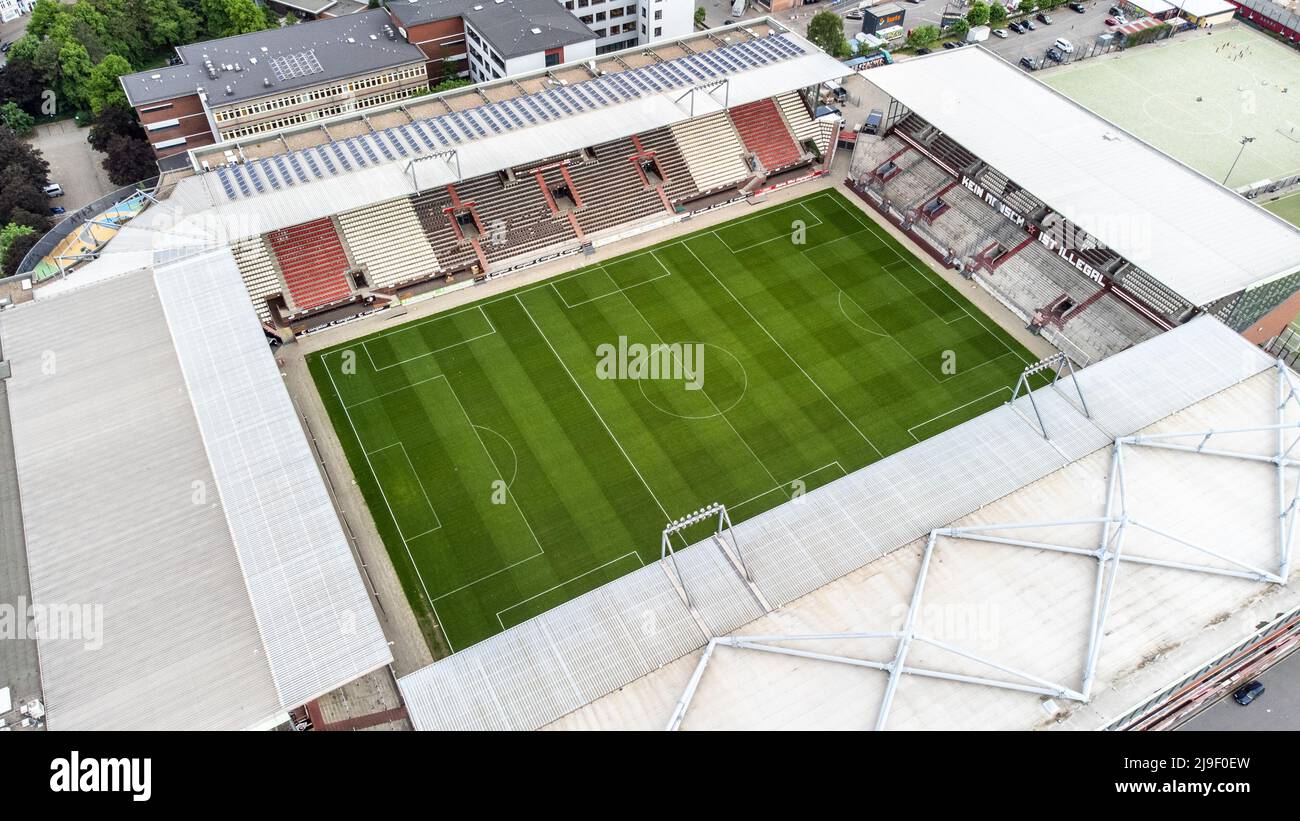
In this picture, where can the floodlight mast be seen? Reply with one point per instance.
(1060, 363)
(724, 528)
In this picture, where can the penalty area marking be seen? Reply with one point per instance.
(567, 581)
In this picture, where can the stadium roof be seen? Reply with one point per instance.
(844, 557)
(1202, 8)
(277, 60)
(192, 510)
(257, 196)
(1193, 235)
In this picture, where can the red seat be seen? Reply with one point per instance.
(764, 133)
(313, 262)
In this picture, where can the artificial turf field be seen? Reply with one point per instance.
(506, 476)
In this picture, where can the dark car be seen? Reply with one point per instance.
(1029, 25)
(5, 48)
(1045, 18)
(57, 209)
(950, 44)
(923, 51)
(1079, 7)
(1248, 693)
(1115, 10)
(1054, 54)
(1028, 63)
(1018, 28)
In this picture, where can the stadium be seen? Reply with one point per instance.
(895, 355)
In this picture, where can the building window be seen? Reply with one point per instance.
(552, 59)
(659, 15)
(600, 17)
(659, 32)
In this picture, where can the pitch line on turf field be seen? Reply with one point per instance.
(781, 347)
(780, 236)
(720, 412)
(592, 405)
(954, 410)
(369, 465)
(514, 454)
(781, 487)
(393, 391)
(567, 581)
(400, 444)
(926, 277)
(840, 301)
(617, 288)
(376, 368)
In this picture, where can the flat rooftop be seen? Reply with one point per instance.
(277, 60)
(1196, 237)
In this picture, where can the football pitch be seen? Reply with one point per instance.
(516, 452)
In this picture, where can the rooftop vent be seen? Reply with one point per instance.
(536, 30)
(352, 39)
(266, 82)
(155, 76)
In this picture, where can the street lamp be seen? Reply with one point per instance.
(1240, 151)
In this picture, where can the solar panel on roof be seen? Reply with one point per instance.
(523, 109)
(672, 68)
(628, 88)
(409, 137)
(638, 80)
(590, 88)
(532, 103)
(356, 153)
(366, 147)
(239, 179)
(473, 121)
(325, 158)
(256, 178)
(297, 167)
(487, 116)
(392, 135)
(544, 100)
(270, 174)
(571, 99)
(225, 183)
(755, 53)
(378, 140)
(418, 128)
(312, 164)
(283, 169)
(338, 152)
(448, 127)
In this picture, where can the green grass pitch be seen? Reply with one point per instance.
(506, 477)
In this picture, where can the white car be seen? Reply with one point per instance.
(1002, 33)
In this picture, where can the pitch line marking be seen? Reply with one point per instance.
(959, 407)
(781, 347)
(376, 368)
(370, 466)
(779, 236)
(592, 405)
(567, 581)
(836, 463)
(617, 289)
(871, 228)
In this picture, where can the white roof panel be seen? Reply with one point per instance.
(1193, 235)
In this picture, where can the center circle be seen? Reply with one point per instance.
(723, 386)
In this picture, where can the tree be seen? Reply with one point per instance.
(16, 251)
(19, 193)
(978, 14)
(449, 84)
(15, 119)
(997, 13)
(113, 122)
(826, 31)
(8, 234)
(699, 16)
(226, 18)
(129, 160)
(959, 29)
(923, 36)
(103, 90)
(75, 68)
(20, 83)
(30, 165)
(1026, 6)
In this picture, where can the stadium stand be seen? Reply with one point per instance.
(1019, 199)
(516, 213)
(679, 184)
(313, 262)
(388, 242)
(430, 208)
(942, 146)
(712, 151)
(798, 118)
(612, 190)
(764, 133)
(258, 272)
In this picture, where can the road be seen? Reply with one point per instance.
(1080, 29)
(1277, 709)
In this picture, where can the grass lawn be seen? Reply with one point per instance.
(1288, 208)
(506, 476)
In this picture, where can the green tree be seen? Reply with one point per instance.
(15, 119)
(8, 234)
(959, 29)
(129, 161)
(1026, 6)
(103, 89)
(226, 18)
(826, 31)
(923, 36)
(18, 247)
(978, 14)
(75, 68)
(699, 16)
(997, 13)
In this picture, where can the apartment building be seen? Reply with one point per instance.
(261, 82)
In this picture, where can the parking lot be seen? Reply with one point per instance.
(73, 163)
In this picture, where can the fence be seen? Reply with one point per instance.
(73, 222)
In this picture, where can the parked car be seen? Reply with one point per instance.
(1029, 63)
(53, 190)
(1000, 33)
(1248, 693)
(1079, 7)
(950, 45)
(1111, 21)
(853, 15)
(874, 119)
(1018, 28)
(1116, 11)
(1029, 25)
(57, 209)
(5, 48)
(1045, 18)
(920, 51)
(1063, 45)
(1055, 55)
